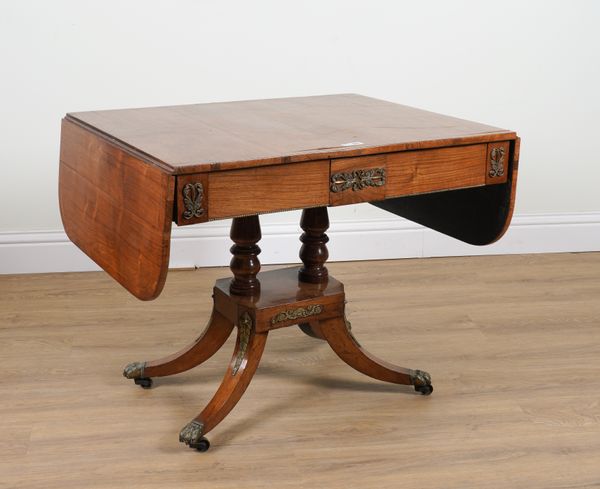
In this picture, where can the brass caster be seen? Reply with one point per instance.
(422, 382)
(424, 389)
(202, 445)
(145, 382)
(191, 435)
(135, 371)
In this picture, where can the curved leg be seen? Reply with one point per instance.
(337, 333)
(312, 329)
(246, 356)
(205, 346)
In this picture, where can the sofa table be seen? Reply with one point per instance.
(126, 175)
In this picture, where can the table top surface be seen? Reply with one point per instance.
(125, 175)
(220, 136)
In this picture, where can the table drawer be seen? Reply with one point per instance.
(267, 189)
(378, 177)
(234, 193)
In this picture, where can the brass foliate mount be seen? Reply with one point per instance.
(497, 162)
(192, 200)
(357, 180)
(298, 313)
(245, 329)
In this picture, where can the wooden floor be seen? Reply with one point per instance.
(512, 344)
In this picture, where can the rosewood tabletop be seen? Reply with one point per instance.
(127, 175)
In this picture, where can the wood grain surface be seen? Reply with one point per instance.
(313, 252)
(416, 172)
(117, 198)
(280, 291)
(229, 135)
(512, 343)
(195, 353)
(257, 190)
(117, 209)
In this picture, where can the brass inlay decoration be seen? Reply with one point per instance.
(420, 378)
(191, 432)
(245, 328)
(192, 200)
(357, 179)
(497, 161)
(134, 370)
(300, 312)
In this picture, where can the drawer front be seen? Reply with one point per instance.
(370, 178)
(267, 189)
(219, 195)
(416, 172)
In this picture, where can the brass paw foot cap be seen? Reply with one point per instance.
(134, 370)
(191, 433)
(422, 382)
(420, 377)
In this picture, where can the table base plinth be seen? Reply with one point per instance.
(283, 301)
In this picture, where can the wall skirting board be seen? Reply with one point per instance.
(375, 239)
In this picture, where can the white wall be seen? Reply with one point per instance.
(532, 66)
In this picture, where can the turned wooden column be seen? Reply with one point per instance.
(245, 233)
(313, 252)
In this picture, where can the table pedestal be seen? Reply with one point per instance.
(257, 303)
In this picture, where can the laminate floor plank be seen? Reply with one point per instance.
(512, 344)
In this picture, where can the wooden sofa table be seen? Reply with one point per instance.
(126, 175)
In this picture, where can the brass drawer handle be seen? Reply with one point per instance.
(357, 179)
